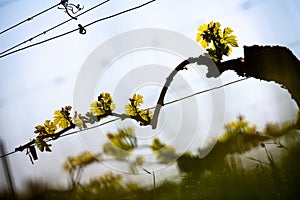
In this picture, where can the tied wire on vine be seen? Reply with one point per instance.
(118, 118)
(80, 29)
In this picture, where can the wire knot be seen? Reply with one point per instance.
(81, 29)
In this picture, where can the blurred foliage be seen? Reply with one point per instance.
(120, 144)
(215, 41)
(82, 160)
(107, 186)
(239, 137)
(138, 162)
(219, 175)
(107, 181)
(75, 164)
(164, 153)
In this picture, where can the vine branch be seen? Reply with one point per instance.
(53, 136)
(201, 60)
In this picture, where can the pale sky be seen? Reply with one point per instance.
(39, 80)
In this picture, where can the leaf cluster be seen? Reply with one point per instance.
(216, 41)
(132, 109)
(103, 107)
(99, 109)
(47, 131)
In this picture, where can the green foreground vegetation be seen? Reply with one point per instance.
(219, 175)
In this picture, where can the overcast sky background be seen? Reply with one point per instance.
(37, 81)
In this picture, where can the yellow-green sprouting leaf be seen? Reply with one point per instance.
(146, 114)
(216, 27)
(204, 44)
(95, 110)
(141, 115)
(50, 127)
(61, 119)
(47, 128)
(112, 106)
(106, 97)
(130, 110)
(106, 102)
(198, 37)
(42, 145)
(232, 41)
(202, 29)
(138, 99)
(78, 122)
(227, 31)
(103, 107)
(40, 129)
